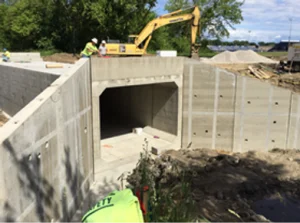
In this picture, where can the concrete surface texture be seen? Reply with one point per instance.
(19, 86)
(25, 57)
(46, 157)
(137, 92)
(229, 112)
(127, 68)
(40, 66)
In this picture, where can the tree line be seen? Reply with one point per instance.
(66, 25)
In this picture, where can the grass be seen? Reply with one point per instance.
(48, 52)
(273, 54)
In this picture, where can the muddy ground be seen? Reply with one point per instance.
(228, 187)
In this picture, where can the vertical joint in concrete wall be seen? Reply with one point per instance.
(242, 113)
(296, 140)
(269, 118)
(190, 111)
(216, 104)
(289, 122)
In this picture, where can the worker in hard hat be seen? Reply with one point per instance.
(5, 55)
(102, 48)
(90, 49)
(118, 206)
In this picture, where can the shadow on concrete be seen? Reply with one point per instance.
(37, 189)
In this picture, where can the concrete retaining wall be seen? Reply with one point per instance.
(20, 86)
(229, 112)
(46, 160)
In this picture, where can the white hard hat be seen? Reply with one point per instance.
(103, 41)
(95, 40)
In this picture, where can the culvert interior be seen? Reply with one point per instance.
(125, 108)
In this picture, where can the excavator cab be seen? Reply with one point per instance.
(131, 38)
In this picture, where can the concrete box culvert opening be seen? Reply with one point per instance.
(152, 108)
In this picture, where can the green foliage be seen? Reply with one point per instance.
(216, 16)
(171, 202)
(68, 25)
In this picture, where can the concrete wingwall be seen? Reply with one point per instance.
(224, 111)
(46, 160)
(20, 86)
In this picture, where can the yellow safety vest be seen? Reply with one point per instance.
(7, 54)
(89, 46)
(118, 206)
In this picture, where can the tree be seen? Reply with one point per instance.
(216, 15)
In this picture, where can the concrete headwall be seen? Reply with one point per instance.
(128, 68)
(158, 101)
(20, 86)
(229, 112)
(46, 157)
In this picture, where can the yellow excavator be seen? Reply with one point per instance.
(137, 44)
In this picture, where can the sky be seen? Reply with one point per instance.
(264, 20)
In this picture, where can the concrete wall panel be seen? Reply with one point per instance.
(126, 68)
(242, 113)
(165, 108)
(46, 151)
(293, 141)
(19, 86)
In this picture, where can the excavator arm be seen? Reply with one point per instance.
(167, 19)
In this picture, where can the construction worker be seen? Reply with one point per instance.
(5, 55)
(102, 48)
(118, 206)
(90, 49)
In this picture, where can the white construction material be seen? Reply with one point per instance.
(166, 53)
(137, 131)
(240, 56)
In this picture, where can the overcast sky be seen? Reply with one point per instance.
(267, 20)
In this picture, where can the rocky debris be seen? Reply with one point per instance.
(221, 182)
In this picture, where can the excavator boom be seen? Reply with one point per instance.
(170, 19)
(141, 41)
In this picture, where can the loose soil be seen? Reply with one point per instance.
(62, 58)
(229, 187)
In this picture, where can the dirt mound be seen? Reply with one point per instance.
(62, 58)
(224, 187)
(240, 56)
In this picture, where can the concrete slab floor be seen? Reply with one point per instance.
(40, 66)
(119, 156)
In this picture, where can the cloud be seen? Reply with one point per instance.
(268, 20)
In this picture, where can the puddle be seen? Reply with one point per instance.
(279, 208)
